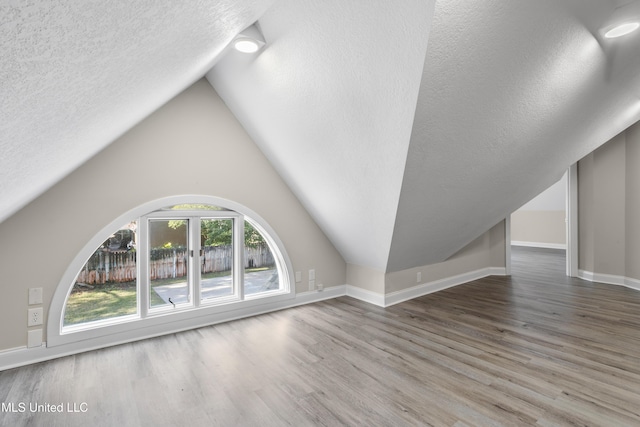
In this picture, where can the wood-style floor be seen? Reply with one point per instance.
(537, 348)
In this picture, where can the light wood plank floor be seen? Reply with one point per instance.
(534, 349)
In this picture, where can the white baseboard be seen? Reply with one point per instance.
(439, 285)
(386, 300)
(24, 356)
(539, 245)
(609, 279)
(374, 298)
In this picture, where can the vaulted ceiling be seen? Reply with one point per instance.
(407, 129)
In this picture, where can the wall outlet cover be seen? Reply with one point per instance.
(35, 316)
(35, 296)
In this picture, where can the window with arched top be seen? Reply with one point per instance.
(174, 260)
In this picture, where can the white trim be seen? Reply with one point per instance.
(188, 317)
(439, 285)
(539, 245)
(572, 221)
(382, 300)
(507, 245)
(571, 227)
(24, 356)
(238, 250)
(610, 279)
(371, 297)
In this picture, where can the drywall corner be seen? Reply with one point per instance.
(366, 278)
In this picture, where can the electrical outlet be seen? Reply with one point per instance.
(35, 317)
(35, 296)
(312, 275)
(312, 285)
(320, 287)
(419, 277)
(298, 276)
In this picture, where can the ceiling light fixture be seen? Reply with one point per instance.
(623, 20)
(246, 45)
(622, 30)
(250, 40)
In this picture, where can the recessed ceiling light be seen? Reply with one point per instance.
(245, 45)
(622, 30)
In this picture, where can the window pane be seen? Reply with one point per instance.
(168, 262)
(216, 258)
(260, 270)
(106, 286)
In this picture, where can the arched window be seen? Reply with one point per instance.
(181, 258)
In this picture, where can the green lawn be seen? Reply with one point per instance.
(102, 302)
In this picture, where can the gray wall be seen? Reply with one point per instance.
(632, 199)
(192, 145)
(488, 250)
(609, 207)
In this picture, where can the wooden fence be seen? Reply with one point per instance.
(106, 266)
(120, 267)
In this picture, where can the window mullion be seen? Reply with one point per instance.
(143, 267)
(238, 249)
(195, 248)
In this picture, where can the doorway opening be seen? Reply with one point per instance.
(547, 224)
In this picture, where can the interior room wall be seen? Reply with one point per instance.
(192, 145)
(632, 203)
(366, 278)
(542, 221)
(609, 209)
(481, 256)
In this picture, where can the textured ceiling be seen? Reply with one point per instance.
(331, 101)
(74, 75)
(512, 93)
(407, 129)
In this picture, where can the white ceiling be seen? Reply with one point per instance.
(404, 136)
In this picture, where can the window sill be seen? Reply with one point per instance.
(133, 327)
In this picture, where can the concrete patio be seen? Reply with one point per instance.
(254, 282)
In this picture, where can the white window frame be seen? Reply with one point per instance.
(194, 217)
(153, 321)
